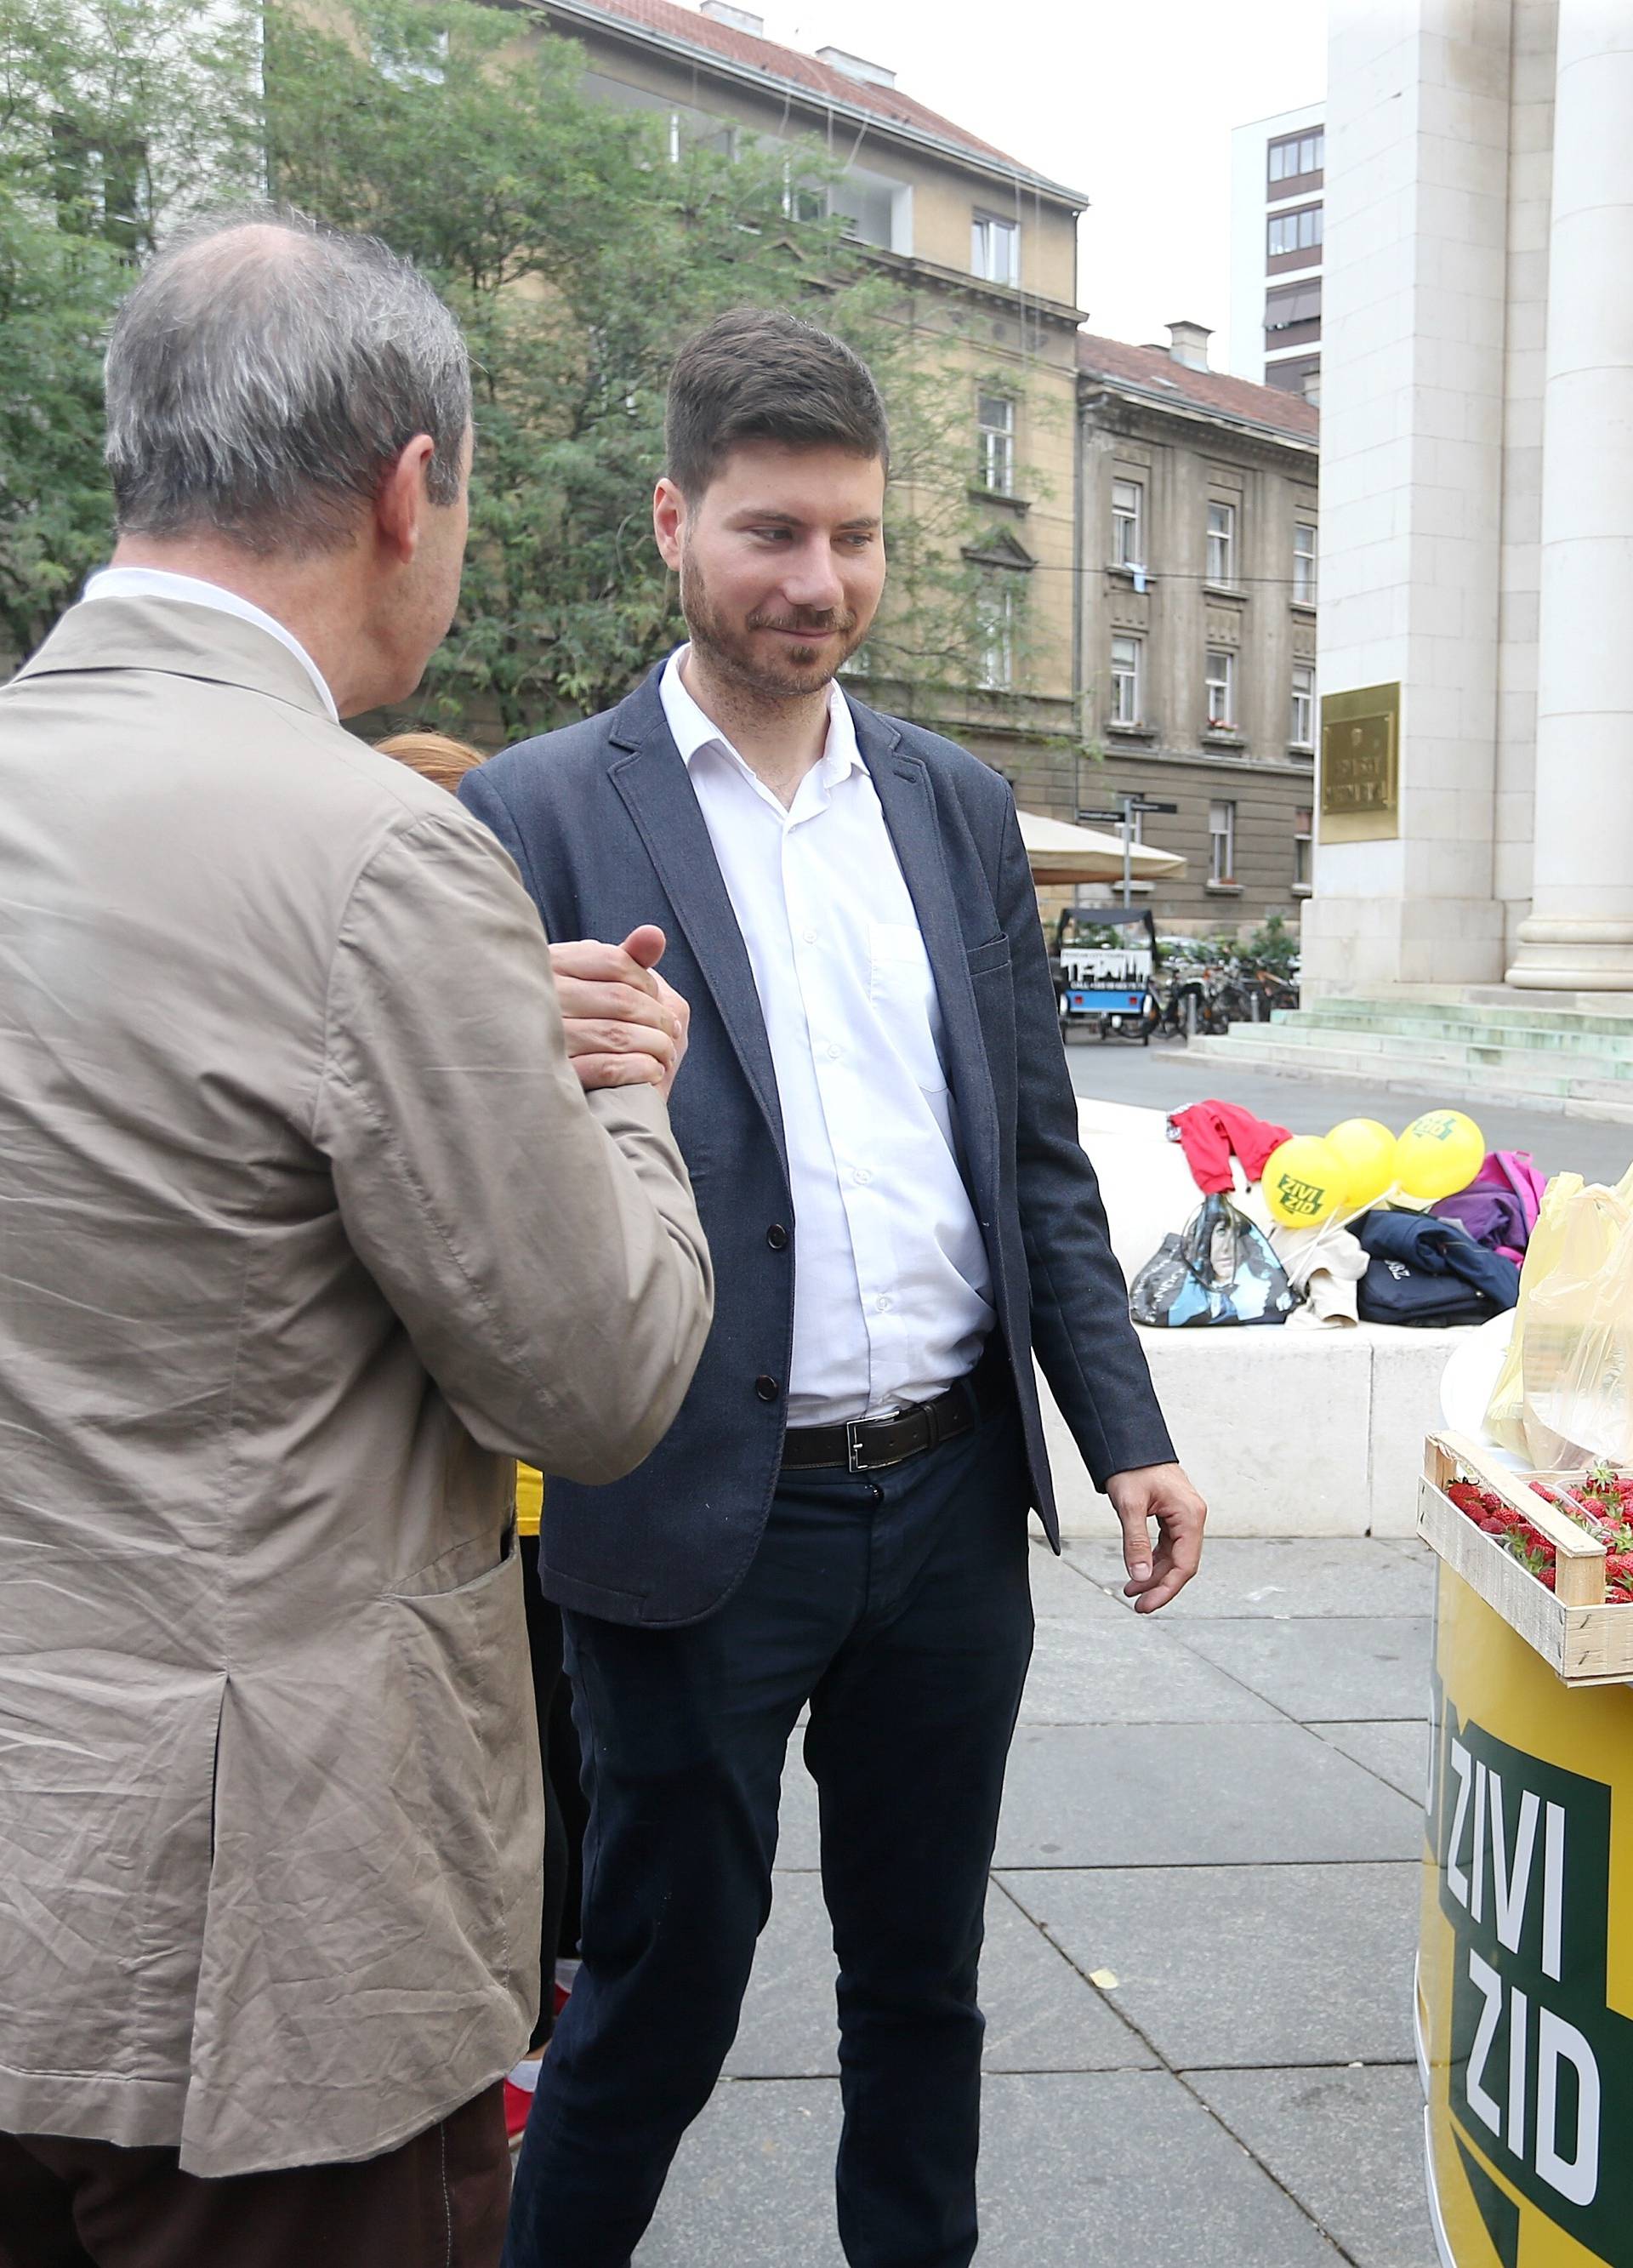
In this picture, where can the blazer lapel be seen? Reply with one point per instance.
(650, 774)
(902, 781)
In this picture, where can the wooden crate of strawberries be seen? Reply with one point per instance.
(1552, 1553)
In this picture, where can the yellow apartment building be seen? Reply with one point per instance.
(984, 251)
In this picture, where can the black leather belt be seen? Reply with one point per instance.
(871, 1445)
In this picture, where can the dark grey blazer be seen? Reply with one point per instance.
(603, 824)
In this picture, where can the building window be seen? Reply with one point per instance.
(1302, 835)
(995, 249)
(1295, 155)
(1125, 681)
(1299, 374)
(1288, 308)
(102, 187)
(995, 451)
(1221, 682)
(1221, 841)
(1221, 544)
(1127, 542)
(424, 62)
(1303, 732)
(997, 615)
(1296, 232)
(1304, 562)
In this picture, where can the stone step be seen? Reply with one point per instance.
(1493, 1051)
(1614, 1023)
(1255, 1047)
(1568, 1040)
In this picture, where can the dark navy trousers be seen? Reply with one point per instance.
(898, 1606)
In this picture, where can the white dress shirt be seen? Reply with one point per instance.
(159, 583)
(890, 1283)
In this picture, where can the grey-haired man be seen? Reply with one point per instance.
(309, 1231)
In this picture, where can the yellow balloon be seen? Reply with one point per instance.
(1439, 1154)
(1368, 1151)
(1304, 1181)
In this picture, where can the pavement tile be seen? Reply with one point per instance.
(1122, 1669)
(1041, 2014)
(752, 2185)
(1158, 1795)
(1347, 2144)
(1124, 2169)
(799, 1837)
(1120, 2170)
(1062, 1591)
(1245, 1965)
(1398, 1753)
(1251, 1578)
(1331, 1669)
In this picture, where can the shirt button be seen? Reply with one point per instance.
(883, 1305)
(809, 935)
(767, 1388)
(862, 1177)
(776, 1237)
(832, 1052)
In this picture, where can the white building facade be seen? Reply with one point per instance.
(1277, 233)
(1476, 571)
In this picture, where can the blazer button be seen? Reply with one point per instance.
(776, 1237)
(767, 1388)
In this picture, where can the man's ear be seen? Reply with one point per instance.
(401, 502)
(668, 522)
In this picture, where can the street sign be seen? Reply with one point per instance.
(1123, 818)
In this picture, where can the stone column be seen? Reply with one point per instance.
(1412, 440)
(1579, 935)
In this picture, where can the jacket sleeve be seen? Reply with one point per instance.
(1084, 1341)
(541, 1248)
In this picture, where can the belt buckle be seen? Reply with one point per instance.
(853, 1445)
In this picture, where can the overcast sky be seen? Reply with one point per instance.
(1130, 102)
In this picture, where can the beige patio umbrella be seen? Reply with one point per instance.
(1060, 853)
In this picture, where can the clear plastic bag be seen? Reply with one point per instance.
(1565, 1391)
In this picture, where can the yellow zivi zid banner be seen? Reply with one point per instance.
(1525, 1989)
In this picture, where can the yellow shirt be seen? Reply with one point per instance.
(529, 1499)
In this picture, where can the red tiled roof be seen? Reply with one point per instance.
(804, 72)
(1154, 371)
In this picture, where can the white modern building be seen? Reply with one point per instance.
(1474, 821)
(1278, 232)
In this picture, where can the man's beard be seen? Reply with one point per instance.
(775, 670)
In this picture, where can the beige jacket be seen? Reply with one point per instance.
(305, 1231)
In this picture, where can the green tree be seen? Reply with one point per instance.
(580, 245)
(113, 116)
(577, 244)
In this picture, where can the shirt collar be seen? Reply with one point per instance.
(693, 730)
(193, 591)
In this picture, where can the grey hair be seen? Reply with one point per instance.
(266, 373)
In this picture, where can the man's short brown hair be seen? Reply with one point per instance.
(757, 374)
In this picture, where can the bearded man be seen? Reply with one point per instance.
(883, 1143)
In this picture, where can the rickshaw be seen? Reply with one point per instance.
(1103, 961)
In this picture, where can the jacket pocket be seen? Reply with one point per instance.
(465, 1654)
(994, 954)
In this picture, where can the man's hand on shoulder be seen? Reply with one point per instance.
(1162, 1493)
(625, 1026)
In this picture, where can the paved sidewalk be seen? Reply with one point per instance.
(1220, 1810)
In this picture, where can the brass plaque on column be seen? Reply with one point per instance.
(1361, 765)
